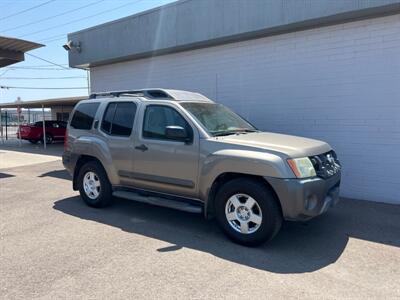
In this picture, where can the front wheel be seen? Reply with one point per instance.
(94, 187)
(248, 212)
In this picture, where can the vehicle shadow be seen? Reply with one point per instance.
(60, 174)
(55, 149)
(5, 175)
(298, 248)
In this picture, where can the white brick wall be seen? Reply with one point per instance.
(340, 84)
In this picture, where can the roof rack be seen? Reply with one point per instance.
(152, 94)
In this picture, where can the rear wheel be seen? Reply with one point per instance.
(248, 212)
(49, 138)
(94, 187)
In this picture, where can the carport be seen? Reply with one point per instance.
(60, 107)
(13, 50)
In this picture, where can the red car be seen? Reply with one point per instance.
(55, 130)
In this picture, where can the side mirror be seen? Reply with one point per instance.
(177, 133)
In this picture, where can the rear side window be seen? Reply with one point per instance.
(62, 124)
(84, 116)
(118, 118)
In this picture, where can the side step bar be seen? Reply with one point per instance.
(179, 205)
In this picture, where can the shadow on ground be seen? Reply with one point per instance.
(55, 149)
(60, 174)
(298, 248)
(5, 175)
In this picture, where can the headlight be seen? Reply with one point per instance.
(302, 167)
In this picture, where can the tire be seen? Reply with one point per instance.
(243, 200)
(34, 141)
(97, 193)
(49, 139)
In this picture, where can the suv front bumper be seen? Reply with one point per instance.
(303, 199)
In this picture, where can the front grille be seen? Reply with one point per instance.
(326, 164)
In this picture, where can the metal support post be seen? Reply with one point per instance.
(44, 128)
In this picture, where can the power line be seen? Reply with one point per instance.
(50, 62)
(41, 88)
(54, 38)
(80, 19)
(40, 69)
(4, 72)
(37, 78)
(52, 17)
(33, 66)
(25, 10)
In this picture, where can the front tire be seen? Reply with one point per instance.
(94, 186)
(248, 212)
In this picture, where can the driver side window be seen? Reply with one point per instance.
(158, 117)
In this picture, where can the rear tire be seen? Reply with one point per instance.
(248, 212)
(94, 186)
(49, 139)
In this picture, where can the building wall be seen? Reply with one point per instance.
(64, 109)
(339, 84)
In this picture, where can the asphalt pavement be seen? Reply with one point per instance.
(52, 246)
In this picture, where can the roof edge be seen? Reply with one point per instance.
(352, 16)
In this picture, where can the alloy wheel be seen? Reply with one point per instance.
(243, 213)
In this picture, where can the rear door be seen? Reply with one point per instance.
(57, 129)
(116, 129)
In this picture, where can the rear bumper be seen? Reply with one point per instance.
(28, 136)
(68, 162)
(303, 199)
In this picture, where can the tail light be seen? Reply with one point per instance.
(23, 130)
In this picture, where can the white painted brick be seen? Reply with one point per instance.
(339, 84)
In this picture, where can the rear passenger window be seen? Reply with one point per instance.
(84, 116)
(118, 118)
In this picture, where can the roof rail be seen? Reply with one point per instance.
(152, 94)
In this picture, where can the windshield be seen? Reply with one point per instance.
(217, 119)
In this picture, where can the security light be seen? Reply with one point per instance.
(71, 45)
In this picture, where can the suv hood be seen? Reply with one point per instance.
(292, 146)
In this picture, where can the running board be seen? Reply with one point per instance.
(158, 201)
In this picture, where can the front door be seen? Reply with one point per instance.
(160, 163)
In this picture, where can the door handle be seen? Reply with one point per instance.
(142, 147)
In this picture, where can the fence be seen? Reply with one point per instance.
(9, 121)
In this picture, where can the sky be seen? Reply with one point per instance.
(45, 22)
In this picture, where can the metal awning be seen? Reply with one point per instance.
(47, 103)
(12, 50)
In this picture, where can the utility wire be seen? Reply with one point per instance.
(4, 72)
(52, 17)
(41, 88)
(33, 66)
(54, 38)
(37, 78)
(50, 62)
(26, 10)
(40, 68)
(81, 19)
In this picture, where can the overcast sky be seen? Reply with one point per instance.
(44, 21)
